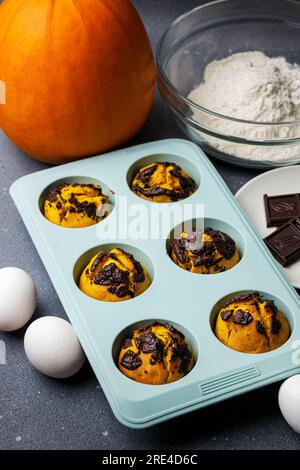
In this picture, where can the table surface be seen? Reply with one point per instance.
(37, 412)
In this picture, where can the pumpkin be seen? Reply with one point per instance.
(79, 76)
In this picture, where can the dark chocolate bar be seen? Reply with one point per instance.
(284, 243)
(282, 208)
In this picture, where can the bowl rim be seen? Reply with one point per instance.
(191, 103)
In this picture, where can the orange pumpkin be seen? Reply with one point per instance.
(79, 76)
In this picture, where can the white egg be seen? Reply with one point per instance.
(53, 348)
(17, 298)
(289, 401)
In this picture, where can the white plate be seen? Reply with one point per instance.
(250, 197)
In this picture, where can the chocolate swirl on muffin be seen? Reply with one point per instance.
(163, 182)
(76, 205)
(114, 276)
(251, 324)
(206, 252)
(156, 355)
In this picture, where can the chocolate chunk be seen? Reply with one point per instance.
(100, 257)
(280, 209)
(204, 253)
(223, 243)
(254, 296)
(117, 280)
(219, 269)
(275, 325)
(90, 210)
(139, 274)
(205, 256)
(131, 360)
(260, 328)
(270, 304)
(127, 343)
(181, 351)
(156, 357)
(73, 200)
(53, 194)
(176, 169)
(137, 265)
(111, 274)
(187, 184)
(155, 191)
(121, 291)
(145, 175)
(137, 342)
(149, 342)
(226, 314)
(242, 318)
(113, 256)
(284, 243)
(139, 277)
(179, 250)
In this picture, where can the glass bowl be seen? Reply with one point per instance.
(214, 31)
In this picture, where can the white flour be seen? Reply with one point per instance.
(252, 87)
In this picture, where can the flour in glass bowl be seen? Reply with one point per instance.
(252, 87)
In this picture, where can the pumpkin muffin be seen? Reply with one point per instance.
(156, 355)
(250, 324)
(205, 251)
(114, 277)
(163, 182)
(76, 205)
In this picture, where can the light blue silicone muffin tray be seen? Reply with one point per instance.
(188, 301)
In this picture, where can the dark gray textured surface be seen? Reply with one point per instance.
(39, 413)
